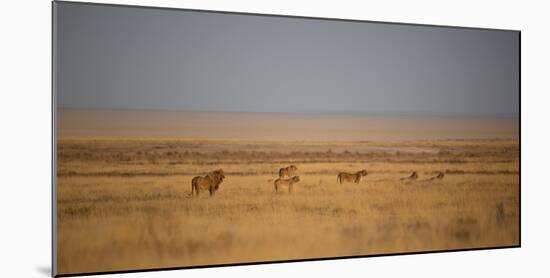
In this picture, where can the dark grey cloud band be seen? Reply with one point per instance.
(139, 58)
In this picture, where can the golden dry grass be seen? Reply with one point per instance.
(123, 204)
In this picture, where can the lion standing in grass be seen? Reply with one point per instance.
(287, 171)
(210, 182)
(348, 177)
(286, 182)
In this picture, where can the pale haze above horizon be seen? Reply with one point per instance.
(114, 57)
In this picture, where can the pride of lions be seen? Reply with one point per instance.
(287, 178)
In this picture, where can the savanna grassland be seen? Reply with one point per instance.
(125, 204)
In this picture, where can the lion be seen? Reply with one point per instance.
(347, 177)
(210, 182)
(440, 175)
(286, 182)
(287, 171)
(413, 176)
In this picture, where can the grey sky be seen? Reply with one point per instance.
(141, 58)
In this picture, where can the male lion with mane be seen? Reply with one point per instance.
(210, 182)
(348, 177)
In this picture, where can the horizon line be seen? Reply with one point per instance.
(335, 112)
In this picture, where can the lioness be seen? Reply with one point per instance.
(286, 182)
(287, 171)
(210, 182)
(413, 176)
(439, 176)
(347, 177)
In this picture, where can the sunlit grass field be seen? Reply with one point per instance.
(124, 203)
